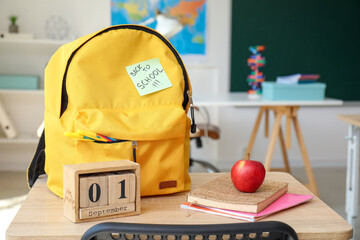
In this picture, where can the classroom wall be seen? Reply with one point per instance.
(323, 133)
(82, 16)
(300, 37)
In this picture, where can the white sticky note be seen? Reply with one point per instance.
(148, 76)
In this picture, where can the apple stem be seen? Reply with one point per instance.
(248, 156)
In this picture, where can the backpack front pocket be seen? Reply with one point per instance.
(162, 144)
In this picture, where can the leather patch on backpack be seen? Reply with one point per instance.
(167, 184)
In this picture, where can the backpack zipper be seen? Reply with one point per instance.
(64, 95)
(116, 141)
(192, 113)
(134, 148)
(98, 138)
(134, 145)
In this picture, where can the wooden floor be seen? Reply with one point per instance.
(331, 184)
(12, 184)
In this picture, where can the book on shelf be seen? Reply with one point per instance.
(6, 124)
(298, 78)
(306, 81)
(289, 79)
(221, 193)
(286, 201)
(26, 82)
(309, 77)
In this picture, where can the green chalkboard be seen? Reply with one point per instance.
(301, 36)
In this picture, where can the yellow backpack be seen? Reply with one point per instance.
(120, 93)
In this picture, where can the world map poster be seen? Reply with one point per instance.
(186, 19)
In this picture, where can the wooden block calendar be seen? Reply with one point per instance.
(102, 190)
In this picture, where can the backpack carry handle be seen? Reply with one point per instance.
(64, 94)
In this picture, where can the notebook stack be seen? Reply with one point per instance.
(298, 78)
(220, 197)
(256, 77)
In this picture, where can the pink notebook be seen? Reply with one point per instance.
(286, 201)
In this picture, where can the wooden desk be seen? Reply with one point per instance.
(287, 109)
(41, 215)
(352, 171)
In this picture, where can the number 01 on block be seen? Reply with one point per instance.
(95, 191)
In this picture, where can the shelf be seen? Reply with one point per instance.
(20, 139)
(25, 107)
(34, 41)
(30, 46)
(22, 92)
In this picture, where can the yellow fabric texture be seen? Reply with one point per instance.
(103, 99)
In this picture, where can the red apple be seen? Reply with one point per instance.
(247, 175)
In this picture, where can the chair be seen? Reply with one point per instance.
(204, 130)
(236, 231)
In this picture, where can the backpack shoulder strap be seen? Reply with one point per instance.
(36, 167)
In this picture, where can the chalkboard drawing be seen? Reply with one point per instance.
(256, 77)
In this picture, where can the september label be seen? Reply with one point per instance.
(108, 210)
(148, 76)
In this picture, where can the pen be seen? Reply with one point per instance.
(78, 136)
(107, 138)
(91, 135)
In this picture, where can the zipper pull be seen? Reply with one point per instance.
(134, 147)
(193, 124)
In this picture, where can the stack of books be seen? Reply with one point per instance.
(220, 197)
(298, 78)
(256, 77)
